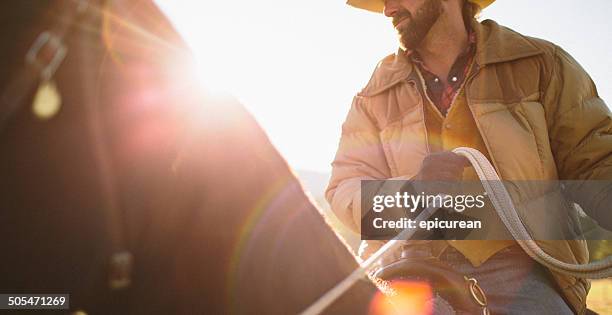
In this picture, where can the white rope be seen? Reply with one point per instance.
(504, 206)
(502, 202)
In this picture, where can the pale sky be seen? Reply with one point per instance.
(296, 65)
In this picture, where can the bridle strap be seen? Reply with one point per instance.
(42, 59)
(121, 260)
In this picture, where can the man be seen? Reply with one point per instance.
(523, 102)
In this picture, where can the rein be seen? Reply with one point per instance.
(365, 267)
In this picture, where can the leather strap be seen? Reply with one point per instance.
(42, 59)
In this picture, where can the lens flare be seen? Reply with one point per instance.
(408, 297)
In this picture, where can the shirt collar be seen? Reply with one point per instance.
(416, 59)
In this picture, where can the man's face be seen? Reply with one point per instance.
(413, 19)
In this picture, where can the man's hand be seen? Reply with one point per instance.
(440, 173)
(442, 166)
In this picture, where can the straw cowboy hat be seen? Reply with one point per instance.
(379, 5)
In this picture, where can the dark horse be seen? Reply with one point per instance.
(139, 159)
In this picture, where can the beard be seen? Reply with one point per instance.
(412, 33)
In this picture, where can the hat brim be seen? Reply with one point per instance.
(379, 5)
(370, 5)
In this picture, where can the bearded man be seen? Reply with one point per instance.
(523, 102)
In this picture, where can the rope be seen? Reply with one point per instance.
(504, 206)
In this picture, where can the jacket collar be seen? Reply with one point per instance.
(389, 71)
(494, 44)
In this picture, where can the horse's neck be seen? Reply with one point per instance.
(255, 237)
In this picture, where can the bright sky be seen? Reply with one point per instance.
(297, 64)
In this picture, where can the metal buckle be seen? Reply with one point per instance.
(478, 294)
(47, 69)
(121, 265)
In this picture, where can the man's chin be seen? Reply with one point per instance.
(410, 39)
(408, 44)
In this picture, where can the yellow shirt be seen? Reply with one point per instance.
(458, 129)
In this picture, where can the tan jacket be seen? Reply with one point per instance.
(537, 111)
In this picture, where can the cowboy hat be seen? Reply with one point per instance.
(379, 5)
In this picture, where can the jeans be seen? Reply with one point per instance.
(512, 282)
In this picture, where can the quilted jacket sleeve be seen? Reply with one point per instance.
(580, 130)
(360, 156)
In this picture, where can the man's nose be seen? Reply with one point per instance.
(391, 8)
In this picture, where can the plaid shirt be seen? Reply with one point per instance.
(441, 93)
